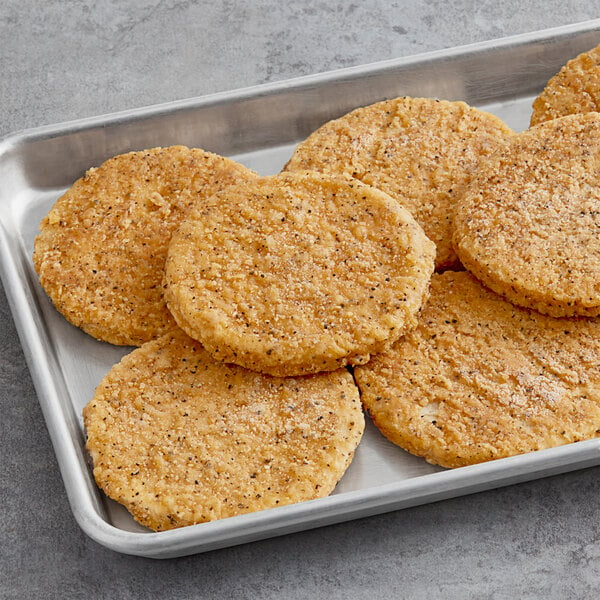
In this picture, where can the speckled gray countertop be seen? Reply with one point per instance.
(61, 60)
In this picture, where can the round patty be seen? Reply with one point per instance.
(528, 224)
(179, 438)
(481, 379)
(297, 273)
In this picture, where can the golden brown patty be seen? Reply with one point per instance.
(574, 89)
(297, 273)
(181, 439)
(481, 379)
(528, 225)
(420, 151)
(101, 249)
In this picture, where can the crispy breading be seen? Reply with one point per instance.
(420, 151)
(481, 379)
(574, 89)
(528, 225)
(101, 249)
(179, 438)
(297, 273)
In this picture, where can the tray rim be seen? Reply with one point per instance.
(269, 88)
(343, 507)
(294, 517)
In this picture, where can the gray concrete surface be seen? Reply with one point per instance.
(61, 60)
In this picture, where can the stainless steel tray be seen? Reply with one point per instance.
(258, 126)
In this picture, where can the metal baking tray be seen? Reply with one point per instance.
(259, 126)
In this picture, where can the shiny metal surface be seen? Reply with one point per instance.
(258, 126)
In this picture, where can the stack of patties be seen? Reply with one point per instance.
(284, 280)
(254, 299)
(488, 374)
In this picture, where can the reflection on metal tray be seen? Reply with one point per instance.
(258, 126)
